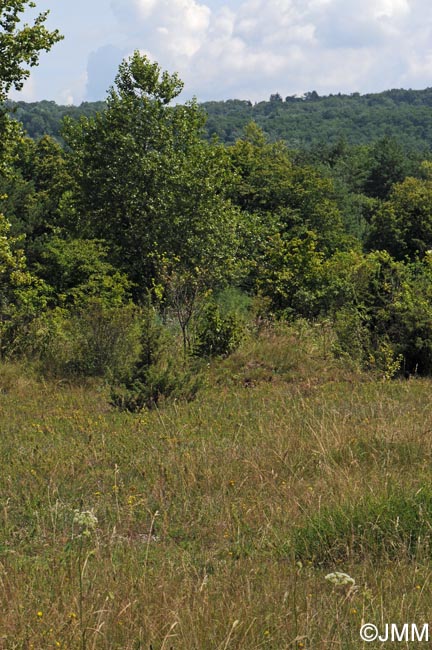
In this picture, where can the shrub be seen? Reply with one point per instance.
(155, 376)
(95, 341)
(352, 335)
(149, 386)
(217, 334)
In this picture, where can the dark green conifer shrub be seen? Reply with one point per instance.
(156, 376)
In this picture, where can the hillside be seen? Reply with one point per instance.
(301, 122)
(45, 117)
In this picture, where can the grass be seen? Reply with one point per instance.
(211, 515)
(385, 528)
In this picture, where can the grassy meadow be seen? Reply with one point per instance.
(212, 525)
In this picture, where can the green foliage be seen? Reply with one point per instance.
(403, 224)
(147, 183)
(217, 334)
(139, 77)
(234, 300)
(158, 384)
(410, 319)
(74, 319)
(33, 186)
(387, 166)
(382, 311)
(46, 117)
(353, 336)
(22, 295)
(155, 376)
(92, 340)
(290, 275)
(139, 202)
(304, 125)
(304, 122)
(287, 197)
(77, 271)
(20, 48)
(90, 328)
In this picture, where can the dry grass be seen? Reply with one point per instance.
(197, 506)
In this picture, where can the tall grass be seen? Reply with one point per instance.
(217, 520)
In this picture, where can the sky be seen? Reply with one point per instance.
(238, 49)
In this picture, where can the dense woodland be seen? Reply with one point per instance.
(137, 236)
(301, 122)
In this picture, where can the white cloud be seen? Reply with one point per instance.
(254, 47)
(247, 48)
(178, 27)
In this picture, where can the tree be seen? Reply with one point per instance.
(20, 48)
(19, 51)
(33, 187)
(280, 201)
(387, 166)
(403, 224)
(147, 183)
(291, 275)
(22, 295)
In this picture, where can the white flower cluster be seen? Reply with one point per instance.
(338, 578)
(86, 521)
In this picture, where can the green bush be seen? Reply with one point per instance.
(155, 376)
(149, 386)
(217, 334)
(352, 335)
(95, 341)
(382, 312)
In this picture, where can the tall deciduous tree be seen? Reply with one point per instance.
(20, 47)
(147, 183)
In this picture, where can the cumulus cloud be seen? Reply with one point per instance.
(361, 23)
(251, 48)
(178, 27)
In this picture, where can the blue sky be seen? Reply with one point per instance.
(244, 49)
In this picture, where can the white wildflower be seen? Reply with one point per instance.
(338, 578)
(86, 521)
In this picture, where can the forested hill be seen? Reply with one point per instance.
(301, 122)
(45, 117)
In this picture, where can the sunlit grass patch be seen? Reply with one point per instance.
(386, 527)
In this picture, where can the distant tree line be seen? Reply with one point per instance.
(46, 117)
(302, 122)
(311, 120)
